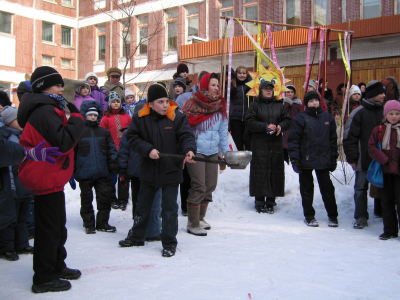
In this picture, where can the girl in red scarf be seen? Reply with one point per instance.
(206, 113)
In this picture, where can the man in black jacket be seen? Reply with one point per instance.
(159, 127)
(357, 131)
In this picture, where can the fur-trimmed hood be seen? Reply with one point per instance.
(392, 88)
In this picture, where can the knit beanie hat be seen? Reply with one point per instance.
(354, 90)
(112, 97)
(182, 68)
(312, 82)
(129, 92)
(310, 95)
(91, 74)
(4, 99)
(291, 87)
(78, 90)
(374, 88)
(44, 77)
(9, 114)
(181, 82)
(156, 91)
(92, 110)
(390, 105)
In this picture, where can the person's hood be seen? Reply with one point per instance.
(86, 104)
(30, 102)
(23, 87)
(14, 131)
(392, 88)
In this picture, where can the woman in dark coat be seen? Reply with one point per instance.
(266, 119)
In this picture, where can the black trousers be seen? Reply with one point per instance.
(390, 197)
(102, 188)
(238, 129)
(50, 236)
(326, 188)
(269, 201)
(123, 193)
(184, 188)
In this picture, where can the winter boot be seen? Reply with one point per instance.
(269, 209)
(106, 228)
(56, 285)
(203, 211)
(168, 252)
(387, 236)
(311, 222)
(260, 205)
(130, 243)
(68, 273)
(333, 222)
(90, 230)
(122, 206)
(26, 250)
(114, 205)
(193, 225)
(10, 255)
(360, 223)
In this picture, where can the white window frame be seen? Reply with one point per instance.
(313, 13)
(52, 32)
(48, 64)
(362, 10)
(196, 15)
(222, 21)
(98, 35)
(99, 4)
(11, 25)
(69, 4)
(250, 26)
(285, 14)
(66, 66)
(170, 20)
(138, 34)
(70, 35)
(124, 29)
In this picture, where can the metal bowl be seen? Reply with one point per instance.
(238, 159)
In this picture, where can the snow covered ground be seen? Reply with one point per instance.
(246, 255)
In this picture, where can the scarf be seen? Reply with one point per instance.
(60, 100)
(388, 132)
(202, 110)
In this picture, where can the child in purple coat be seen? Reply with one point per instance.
(97, 93)
(82, 93)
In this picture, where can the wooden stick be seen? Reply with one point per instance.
(223, 60)
(287, 25)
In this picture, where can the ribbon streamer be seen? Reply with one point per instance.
(321, 49)
(259, 42)
(271, 43)
(228, 95)
(310, 32)
(344, 56)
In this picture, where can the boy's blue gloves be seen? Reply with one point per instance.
(114, 178)
(72, 183)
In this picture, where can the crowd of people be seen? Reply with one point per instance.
(111, 141)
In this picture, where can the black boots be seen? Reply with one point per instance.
(56, 285)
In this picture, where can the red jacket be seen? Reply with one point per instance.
(42, 119)
(110, 123)
(389, 159)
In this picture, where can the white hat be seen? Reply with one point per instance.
(129, 92)
(91, 74)
(354, 90)
(92, 110)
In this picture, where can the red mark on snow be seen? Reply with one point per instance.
(116, 268)
(249, 295)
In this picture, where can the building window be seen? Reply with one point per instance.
(123, 1)
(66, 36)
(251, 13)
(141, 90)
(143, 34)
(371, 9)
(67, 2)
(193, 20)
(292, 13)
(172, 31)
(321, 12)
(398, 7)
(5, 22)
(66, 62)
(98, 4)
(101, 42)
(126, 38)
(47, 32)
(226, 11)
(47, 60)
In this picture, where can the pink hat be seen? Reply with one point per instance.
(391, 105)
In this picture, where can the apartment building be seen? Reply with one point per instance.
(80, 36)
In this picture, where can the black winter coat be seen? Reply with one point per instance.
(11, 154)
(239, 102)
(267, 170)
(312, 139)
(357, 131)
(170, 134)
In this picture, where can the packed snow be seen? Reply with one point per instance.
(246, 255)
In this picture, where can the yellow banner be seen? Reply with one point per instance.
(346, 63)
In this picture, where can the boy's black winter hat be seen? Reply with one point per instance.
(156, 91)
(4, 99)
(181, 82)
(374, 88)
(182, 68)
(45, 77)
(311, 95)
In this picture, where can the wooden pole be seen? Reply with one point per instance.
(223, 59)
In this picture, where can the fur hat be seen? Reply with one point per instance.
(181, 82)
(9, 114)
(354, 90)
(112, 97)
(182, 68)
(91, 74)
(78, 90)
(114, 72)
(44, 77)
(390, 105)
(129, 92)
(310, 95)
(291, 87)
(92, 110)
(156, 91)
(4, 99)
(374, 88)
(392, 88)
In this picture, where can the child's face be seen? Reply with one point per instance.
(313, 103)
(311, 88)
(1, 108)
(337, 117)
(362, 88)
(213, 86)
(356, 97)
(55, 89)
(267, 92)
(92, 81)
(241, 74)
(378, 98)
(129, 100)
(115, 104)
(290, 94)
(160, 105)
(393, 116)
(14, 124)
(183, 74)
(343, 89)
(178, 89)
(84, 91)
(91, 117)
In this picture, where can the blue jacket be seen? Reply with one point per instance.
(185, 96)
(129, 160)
(312, 139)
(215, 137)
(95, 152)
(130, 108)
